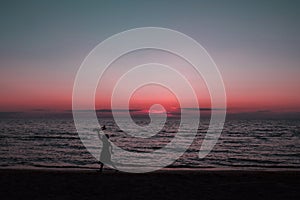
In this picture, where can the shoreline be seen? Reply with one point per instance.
(163, 170)
(162, 184)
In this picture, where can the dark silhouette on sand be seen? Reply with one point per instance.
(105, 155)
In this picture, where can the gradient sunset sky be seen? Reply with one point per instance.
(255, 44)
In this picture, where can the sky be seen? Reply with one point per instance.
(255, 44)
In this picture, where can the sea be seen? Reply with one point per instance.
(248, 144)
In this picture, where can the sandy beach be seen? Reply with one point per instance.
(172, 184)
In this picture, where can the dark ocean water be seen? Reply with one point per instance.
(245, 144)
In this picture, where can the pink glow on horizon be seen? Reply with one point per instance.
(29, 98)
(247, 90)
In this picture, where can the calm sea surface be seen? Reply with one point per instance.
(246, 144)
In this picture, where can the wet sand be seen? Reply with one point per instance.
(173, 184)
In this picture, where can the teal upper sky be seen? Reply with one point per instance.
(47, 28)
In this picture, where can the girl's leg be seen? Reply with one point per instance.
(101, 167)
